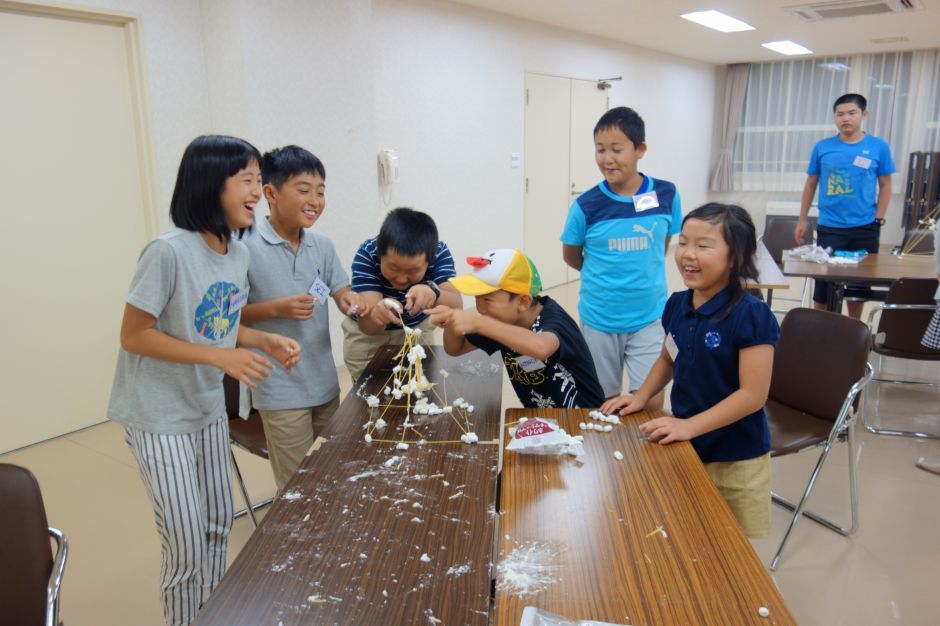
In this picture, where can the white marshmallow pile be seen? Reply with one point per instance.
(469, 438)
(610, 419)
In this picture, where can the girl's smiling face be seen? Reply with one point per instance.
(240, 195)
(703, 258)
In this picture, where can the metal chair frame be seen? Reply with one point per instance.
(877, 404)
(845, 422)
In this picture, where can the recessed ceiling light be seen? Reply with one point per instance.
(786, 47)
(717, 21)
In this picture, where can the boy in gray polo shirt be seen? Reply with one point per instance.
(292, 273)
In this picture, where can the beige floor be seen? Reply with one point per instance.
(885, 574)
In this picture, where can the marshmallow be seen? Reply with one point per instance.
(618, 455)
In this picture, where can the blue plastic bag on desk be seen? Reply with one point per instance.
(848, 257)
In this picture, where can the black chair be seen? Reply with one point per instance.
(820, 366)
(30, 576)
(905, 314)
(778, 236)
(247, 434)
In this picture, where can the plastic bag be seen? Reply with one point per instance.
(543, 436)
(810, 252)
(847, 257)
(532, 616)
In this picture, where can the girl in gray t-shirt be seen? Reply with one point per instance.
(180, 332)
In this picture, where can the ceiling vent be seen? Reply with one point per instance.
(853, 8)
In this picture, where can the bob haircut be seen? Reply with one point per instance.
(739, 233)
(207, 163)
(409, 233)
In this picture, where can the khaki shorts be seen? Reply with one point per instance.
(290, 434)
(745, 486)
(359, 348)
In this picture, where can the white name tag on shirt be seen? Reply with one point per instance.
(237, 301)
(671, 347)
(862, 162)
(319, 290)
(645, 201)
(529, 364)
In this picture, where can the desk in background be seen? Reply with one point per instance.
(595, 524)
(874, 270)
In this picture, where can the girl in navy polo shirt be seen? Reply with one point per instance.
(719, 351)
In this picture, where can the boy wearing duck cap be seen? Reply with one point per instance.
(545, 355)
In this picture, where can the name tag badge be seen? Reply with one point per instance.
(237, 301)
(529, 364)
(319, 290)
(671, 347)
(645, 201)
(862, 162)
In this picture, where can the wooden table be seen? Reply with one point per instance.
(362, 537)
(644, 541)
(769, 276)
(874, 270)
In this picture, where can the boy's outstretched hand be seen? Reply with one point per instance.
(299, 307)
(244, 365)
(352, 303)
(623, 405)
(284, 350)
(665, 430)
(460, 321)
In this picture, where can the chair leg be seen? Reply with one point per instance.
(799, 508)
(891, 431)
(244, 490)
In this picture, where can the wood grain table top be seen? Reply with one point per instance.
(368, 534)
(876, 269)
(646, 540)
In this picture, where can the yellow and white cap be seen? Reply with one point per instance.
(505, 269)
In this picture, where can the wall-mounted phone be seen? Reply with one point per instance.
(388, 167)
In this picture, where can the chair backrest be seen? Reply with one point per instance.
(819, 357)
(778, 234)
(25, 549)
(899, 332)
(232, 396)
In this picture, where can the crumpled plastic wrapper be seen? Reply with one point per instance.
(539, 435)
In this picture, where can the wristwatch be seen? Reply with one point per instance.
(880, 221)
(435, 289)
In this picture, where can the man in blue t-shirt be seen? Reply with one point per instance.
(617, 234)
(407, 264)
(853, 165)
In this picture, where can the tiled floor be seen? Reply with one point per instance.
(886, 574)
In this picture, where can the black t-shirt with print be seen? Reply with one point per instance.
(567, 379)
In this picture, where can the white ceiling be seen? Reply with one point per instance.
(656, 24)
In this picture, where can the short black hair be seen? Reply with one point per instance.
(409, 233)
(278, 165)
(849, 98)
(627, 120)
(209, 160)
(739, 233)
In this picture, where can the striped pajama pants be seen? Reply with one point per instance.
(188, 481)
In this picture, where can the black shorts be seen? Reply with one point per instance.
(855, 238)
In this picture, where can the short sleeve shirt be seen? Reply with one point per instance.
(705, 369)
(277, 271)
(624, 245)
(848, 179)
(367, 276)
(567, 379)
(196, 295)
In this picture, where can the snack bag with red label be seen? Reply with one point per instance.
(543, 436)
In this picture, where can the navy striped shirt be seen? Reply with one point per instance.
(367, 276)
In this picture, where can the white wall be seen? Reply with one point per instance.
(449, 96)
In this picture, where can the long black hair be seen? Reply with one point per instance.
(739, 233)
(207, 163)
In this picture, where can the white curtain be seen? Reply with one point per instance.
(733, 106)
(788, 108)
